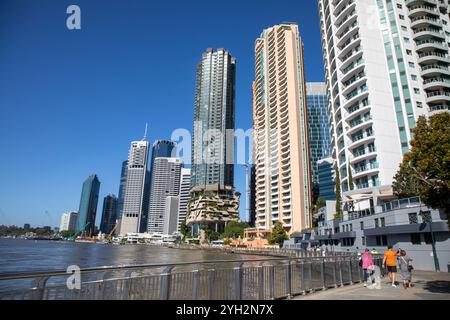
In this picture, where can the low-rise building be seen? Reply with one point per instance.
(405, 224)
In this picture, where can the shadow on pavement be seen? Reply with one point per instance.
(437, 286)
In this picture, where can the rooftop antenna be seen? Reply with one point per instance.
(145, 132)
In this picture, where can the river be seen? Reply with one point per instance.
(20, 255)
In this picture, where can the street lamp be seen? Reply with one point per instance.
(429, 220)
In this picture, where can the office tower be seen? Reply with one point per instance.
(252, 196)
(135, 204)
(68, 221)
(123, 184)
(386, 64)
(185, 185)
(162, 149)
(170, 224)
(26, 226)
(280, 123)
(109, 214)
(319, 131)
(212, 172)
(165, 183)
(88, 206)
(325, 172)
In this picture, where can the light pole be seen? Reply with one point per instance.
(429, 220)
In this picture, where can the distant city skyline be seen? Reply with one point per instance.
(87, 99)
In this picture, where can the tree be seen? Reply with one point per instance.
(350, 178)
(424, 171)
(320, 204)
(66, 234)
(278, 234)
(184, 229)
(235, 229)
(337, 181)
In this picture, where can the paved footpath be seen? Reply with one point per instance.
(427, 286)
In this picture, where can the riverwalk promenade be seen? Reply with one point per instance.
(427, 286)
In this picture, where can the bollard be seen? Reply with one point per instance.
(165, 284)
(288, 280)
(195, 275)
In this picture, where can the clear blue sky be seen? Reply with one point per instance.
(71, 101)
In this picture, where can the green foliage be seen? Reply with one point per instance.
(235, 229)
(66, 234)
(350, 178)
(184, 229)
(338, 213)
(424, 171)
(278, 234)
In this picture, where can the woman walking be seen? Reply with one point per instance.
(367, 265)
(406, 268)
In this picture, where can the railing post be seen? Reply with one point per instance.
(261, 284)
(212, 278)
(322, 272)
(288, 279)
(127, 286)
(340, 271)
(238, 282)
(195, 275)
(310, 276)
(40, 288)
(334, 273)
(350, 270)
(302, 277)
(271, 282)
(165, 284)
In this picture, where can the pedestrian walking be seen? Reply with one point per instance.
(404, 263)
(367, 265)
(390, 262)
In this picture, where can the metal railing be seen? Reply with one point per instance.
(260, 279)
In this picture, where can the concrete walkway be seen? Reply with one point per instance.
(427, 286)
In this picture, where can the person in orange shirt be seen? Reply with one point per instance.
(390, 261)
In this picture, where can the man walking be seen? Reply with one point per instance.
(390, 261)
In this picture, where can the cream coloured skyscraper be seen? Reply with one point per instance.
(280, 123)
(135, 204)
(386, 64)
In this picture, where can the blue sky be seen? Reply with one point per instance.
(71, 101)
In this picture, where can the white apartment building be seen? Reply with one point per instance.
(386, 64)
(165, 183)
(134, 207)
(68, 221)
(185, 185)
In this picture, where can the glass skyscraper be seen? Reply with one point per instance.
(325, 173)
(319, 130)
(213, 200)
(88, 205)
(123, 183)
(109, 214)
(214, 113)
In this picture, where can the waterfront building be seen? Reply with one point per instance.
(318, 128)
(165, 183)
(184, 194)
(88, 206)
(109, 214)
(404, 223)
(135, 203)
(122, 185)
(26, 226)
(212, 171)
(280, 123)
(386, 64)
(252, 196)
(69, 221)
(325, 172)
(170, 224)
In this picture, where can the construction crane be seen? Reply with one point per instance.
(109, 236)
(72, 238)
